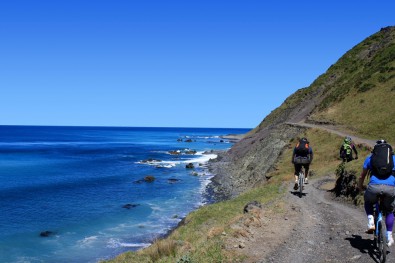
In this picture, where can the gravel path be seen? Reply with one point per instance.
(335, 130)
(328, 231)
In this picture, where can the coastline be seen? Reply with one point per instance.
(213, 192)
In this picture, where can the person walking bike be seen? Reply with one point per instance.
(382, 183)
(302, 156)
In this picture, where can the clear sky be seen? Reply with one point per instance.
(169, 63)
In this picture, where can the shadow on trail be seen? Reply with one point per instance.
(365, 246)
(298, 194)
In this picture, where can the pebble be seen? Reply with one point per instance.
(356, 257)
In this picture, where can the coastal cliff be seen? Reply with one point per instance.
(351, 85)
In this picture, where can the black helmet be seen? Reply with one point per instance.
(381, 141)
(304, 139)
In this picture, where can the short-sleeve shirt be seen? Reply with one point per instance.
(373, 179)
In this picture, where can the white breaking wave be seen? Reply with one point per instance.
(87, 241)
(203, 158)
(115, 243)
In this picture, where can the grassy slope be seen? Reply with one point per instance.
(362, 97)
(200, 238)
(358, 91)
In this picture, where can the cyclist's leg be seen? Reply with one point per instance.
(298, 167)
(370, 198)
(306, 171)
(389, 205)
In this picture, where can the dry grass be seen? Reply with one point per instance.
(160, 249)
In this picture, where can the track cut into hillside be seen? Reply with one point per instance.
(316, 227)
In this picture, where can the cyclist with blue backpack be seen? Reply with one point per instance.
(382, 182)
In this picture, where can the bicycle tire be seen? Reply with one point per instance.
(301, 182)
(382, 242)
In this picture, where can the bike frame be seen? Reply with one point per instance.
(380, 235)
(301, 181)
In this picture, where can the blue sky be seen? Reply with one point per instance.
(169, 63)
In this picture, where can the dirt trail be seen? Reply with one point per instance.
(315, 228)
(335, 130)
(327, 231)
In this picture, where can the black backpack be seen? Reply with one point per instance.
(302, 148)
(381, 161)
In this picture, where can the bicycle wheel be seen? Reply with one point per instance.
(301, 182)
(382, 241)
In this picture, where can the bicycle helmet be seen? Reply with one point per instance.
(304, 139)
(381, 141)
(347, 140)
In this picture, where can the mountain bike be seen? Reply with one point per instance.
(380, 233)
(301, 176)
(301, 181)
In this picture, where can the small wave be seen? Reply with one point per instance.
(159, 164)
(87, 241)
(116, 243)
(203, 158)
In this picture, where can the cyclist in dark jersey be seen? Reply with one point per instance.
(303, 150)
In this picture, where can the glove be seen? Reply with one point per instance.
(356, 157)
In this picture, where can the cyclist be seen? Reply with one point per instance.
(379, 184)
(302, 157)
(346, 150)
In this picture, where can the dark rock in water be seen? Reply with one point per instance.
(189, 166)
(221, 141)
(177, 152)
(46, 233)
(173, 180)
(251, 206)
(188, 140)
(190, 152)
(179, 140)
(129, 206)
(149, 178)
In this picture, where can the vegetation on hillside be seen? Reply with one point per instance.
(361, 97)
(357, 92)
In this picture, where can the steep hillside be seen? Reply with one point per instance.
(356, 93)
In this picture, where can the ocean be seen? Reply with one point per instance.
(80, 194)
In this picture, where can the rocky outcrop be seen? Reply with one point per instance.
(189, 166)
(130, 206)
(46, 233)
(247, 163)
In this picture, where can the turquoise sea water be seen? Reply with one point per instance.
(75, 182)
